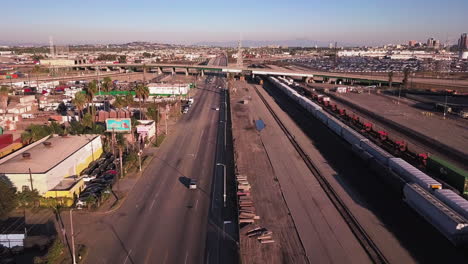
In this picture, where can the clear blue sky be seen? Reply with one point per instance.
(189, 21)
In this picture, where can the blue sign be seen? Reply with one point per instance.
(119, 125)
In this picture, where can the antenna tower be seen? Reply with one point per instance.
(51, 44)
(240, 61)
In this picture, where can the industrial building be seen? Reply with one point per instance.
(50, 164)
(167, 89)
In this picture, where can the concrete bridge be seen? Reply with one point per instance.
(306, 75)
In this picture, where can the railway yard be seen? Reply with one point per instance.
(450, 132)
(293, 202)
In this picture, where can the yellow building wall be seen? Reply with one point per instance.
(7, 150)
(85, 163)
(71, 193)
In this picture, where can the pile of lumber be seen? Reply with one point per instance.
(262, 235)
(246, 207)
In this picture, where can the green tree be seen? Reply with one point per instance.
(26, 137)
(28, 198)
(90, 91)
(146, 54)
(55, 128)
(8, 200)
(107, 84)
(153, 113)
(87, 121)
(80, 102)
(142, 93)
(107, 57)
(129, 99)
(62, 108)
(120, 102)
(122, 59)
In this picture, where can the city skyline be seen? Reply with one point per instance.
(185, 22)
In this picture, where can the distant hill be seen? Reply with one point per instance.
(256, 43)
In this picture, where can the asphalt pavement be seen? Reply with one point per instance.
(162, 221)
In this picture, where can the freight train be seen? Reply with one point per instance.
(444, 209)
(454, 176)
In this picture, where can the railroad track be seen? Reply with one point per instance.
(367, 243)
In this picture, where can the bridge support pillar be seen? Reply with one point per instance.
(173, 71)
(202, 72)
(160, 70)
(186, 72)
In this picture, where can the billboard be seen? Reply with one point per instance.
(119, 125)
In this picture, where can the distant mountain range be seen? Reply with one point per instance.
(245, 43)
(263, 43)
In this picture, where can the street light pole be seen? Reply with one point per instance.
(139, 157)
(72, 236)
(224, 192)
(445, 106)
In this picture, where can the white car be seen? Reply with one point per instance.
(193, 184)
(217, 108)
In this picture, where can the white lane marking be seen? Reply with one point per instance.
(186, 257)
(196, 204)
(165, 257)
(152, 204)
(126, 259)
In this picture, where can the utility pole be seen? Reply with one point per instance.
(165, 119)
(240, 59)
(31, 180)
(72, 236)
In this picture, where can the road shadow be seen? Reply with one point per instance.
(124, 248)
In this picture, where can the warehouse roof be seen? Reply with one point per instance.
(43, 158)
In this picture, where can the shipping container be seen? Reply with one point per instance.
(6, 139)
(449, 173)
(412, 174)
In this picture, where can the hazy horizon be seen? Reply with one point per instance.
(185, 22)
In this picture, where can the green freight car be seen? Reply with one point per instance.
(449, 173)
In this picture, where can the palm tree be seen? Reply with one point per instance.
(91, 90)
(129, 99)
(144, 72)
(80, 102)
(121, 144)
(142, 93)
(390, 79)
(107, 84)
(120, 102)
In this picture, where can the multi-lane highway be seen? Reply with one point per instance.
(162, 221)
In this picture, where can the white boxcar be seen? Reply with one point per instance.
(335, 125)
(447, 221)
(453, 200)
(412, 174)
(379, 154)
(351, 136)
(322, 116)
